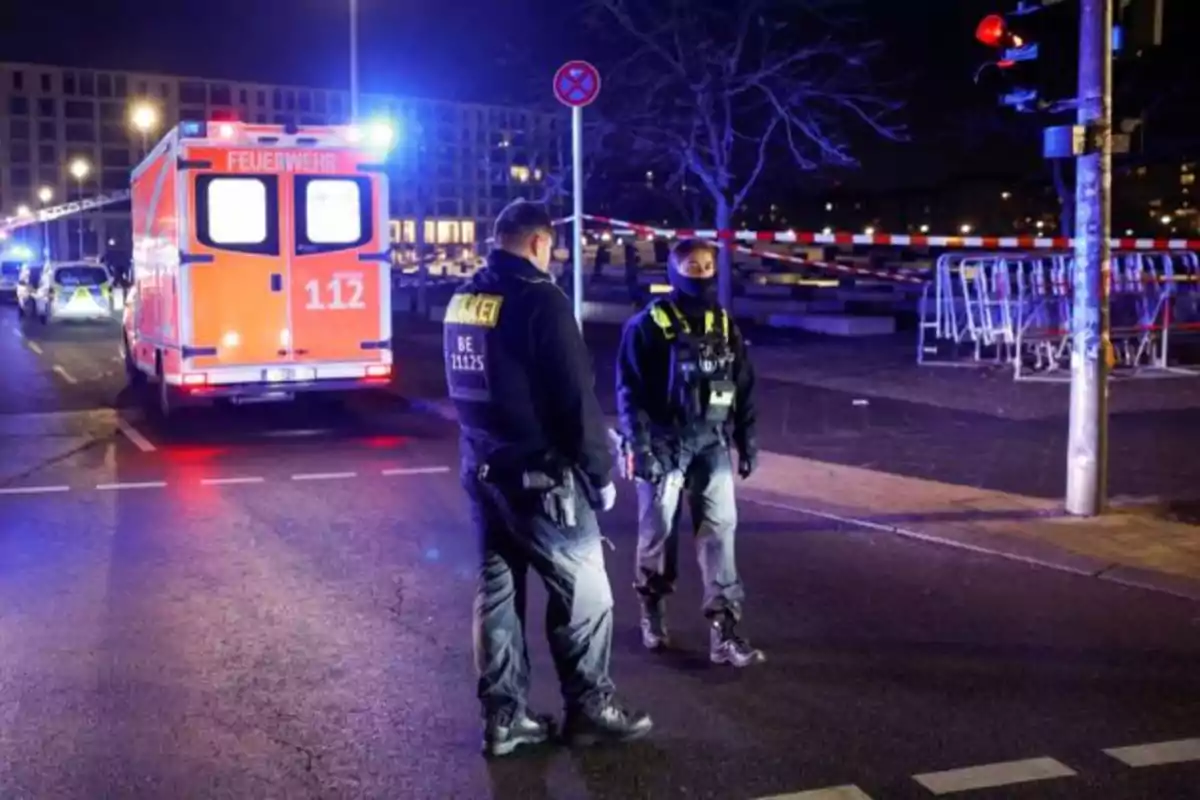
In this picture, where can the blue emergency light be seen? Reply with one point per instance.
(193, 128)
(18, 252)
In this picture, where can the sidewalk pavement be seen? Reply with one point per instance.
(1137, 546)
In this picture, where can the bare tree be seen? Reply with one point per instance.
(723, 90)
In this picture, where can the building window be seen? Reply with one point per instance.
(319, 102)
(21, 179)
(69, 83)
(262, 98)
(79, 109)
(115, 157)
(47, 107)
(305, 102)
(47, 82)
(47, 154)
(121, 86)
(277, 100)
(18, 81)
(114, 133)
(261, 119)
(290, 101)
(19, 153)
(18, 106)
(243, 96)
(81, 132)
(104, 85)
(220, 95)
(47, 130)
(114, 180)
(192, 93)
(87, 84)
(164, 91)
(112, 112)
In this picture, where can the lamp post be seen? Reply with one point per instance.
(144, 118)
(45, 195)
(80, 169)
(353, 60)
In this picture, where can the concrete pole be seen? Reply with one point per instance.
(1087, 443)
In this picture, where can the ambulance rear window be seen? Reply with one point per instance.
(334, 213)
(238, 213)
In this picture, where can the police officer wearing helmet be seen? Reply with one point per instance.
(685, 393)
(536, 467)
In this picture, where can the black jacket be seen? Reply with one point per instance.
(643, 379)
(520, 375)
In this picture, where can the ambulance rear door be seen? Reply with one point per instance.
(236, 309)
(340, 263)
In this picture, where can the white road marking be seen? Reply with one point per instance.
(989, 775)
(116, 487)
(415, 471)
(832, 793)
(34, 489)
(231, 481)
(135, 436)
(35, 347)
(66, 376)
(324, 476)
(1153, 755)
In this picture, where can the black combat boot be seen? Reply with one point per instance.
(605, 720)
(726, 647)
(506, 730)
(654, 623)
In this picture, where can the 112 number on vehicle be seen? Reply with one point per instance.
(339, 293)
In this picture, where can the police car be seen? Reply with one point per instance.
(11, 261)
(76, 291)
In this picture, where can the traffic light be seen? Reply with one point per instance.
(1036, 54)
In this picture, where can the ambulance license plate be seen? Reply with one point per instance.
(288, 374)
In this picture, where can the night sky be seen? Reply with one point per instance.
(481, 50)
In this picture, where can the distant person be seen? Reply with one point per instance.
(536, 467)
(633, 263)
(685, 396)
(603, 259)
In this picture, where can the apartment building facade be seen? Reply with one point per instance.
(455, 164)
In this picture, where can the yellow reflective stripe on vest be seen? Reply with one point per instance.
(709, 318)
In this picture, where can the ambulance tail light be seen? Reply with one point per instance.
(195, 379)
(379, 371)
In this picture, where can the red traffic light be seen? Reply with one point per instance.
(992, 30)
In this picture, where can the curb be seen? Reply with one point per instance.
(1011, 548)
(999, 545)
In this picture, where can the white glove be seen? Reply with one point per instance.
(608, 497)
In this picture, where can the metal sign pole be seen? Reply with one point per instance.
(577, 221)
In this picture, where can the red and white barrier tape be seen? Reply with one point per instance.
(892, 239)
(828, 266)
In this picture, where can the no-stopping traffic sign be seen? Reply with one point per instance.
(576, 84)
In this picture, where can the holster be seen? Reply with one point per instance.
(557, 495)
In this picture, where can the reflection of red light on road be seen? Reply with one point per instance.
(385, 442)
(192, 454)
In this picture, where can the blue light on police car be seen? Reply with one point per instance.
(19, 252)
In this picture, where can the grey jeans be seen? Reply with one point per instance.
(703, 474)
(515, 535)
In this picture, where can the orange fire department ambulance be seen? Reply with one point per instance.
(261, 263)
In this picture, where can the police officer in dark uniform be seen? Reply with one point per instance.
(685, 393)
(536, 465)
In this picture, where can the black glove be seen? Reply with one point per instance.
(747, 462)
(647, 467)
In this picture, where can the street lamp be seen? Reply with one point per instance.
(965, 228)
(144, 118)
(23, 211)
(353, 60)
(79, 171)
(45, 195)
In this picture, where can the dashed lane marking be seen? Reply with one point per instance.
(66, 376)
(232, 481)
(987, 776)
(387, 473)
(34, 489)
(324, 476)
(119, 487)
(135, 436)
(1153, 755)
(35, 347)
(832, 793)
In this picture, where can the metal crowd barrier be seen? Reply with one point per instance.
(1015, 309)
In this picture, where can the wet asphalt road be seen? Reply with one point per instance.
(274, 602)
